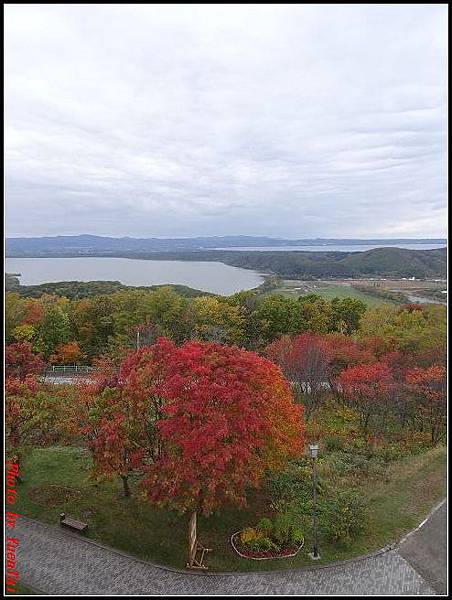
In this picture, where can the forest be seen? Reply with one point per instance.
(205, 405)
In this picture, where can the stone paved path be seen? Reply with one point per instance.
(426, 549)
(55, 562)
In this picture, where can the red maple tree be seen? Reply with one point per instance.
(306, 361)
(429, 388)
(227, 416)
(20, 361)
(345, 352)
(367, 388)
(214, 419)
(203, 421)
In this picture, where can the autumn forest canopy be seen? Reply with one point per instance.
(193, 401)
(318, 344)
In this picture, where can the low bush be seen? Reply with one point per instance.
(265, 526)
(251, 535)
(295, 482)
(357, 464)
(255, 539)
(342, 517)
(286, 532)
(333, 443)
(271, 535)
(263, 544)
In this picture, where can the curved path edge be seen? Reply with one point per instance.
(63, 563)
(425, 548)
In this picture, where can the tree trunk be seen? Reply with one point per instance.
(125, 483)
(192, 539)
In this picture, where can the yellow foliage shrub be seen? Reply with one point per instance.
(250, 534)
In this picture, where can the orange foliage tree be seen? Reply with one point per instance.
(367, 388)
(115, 433)
(16, 390)
(118, 410)
(21, 361)
(429, 389)
(67, 354)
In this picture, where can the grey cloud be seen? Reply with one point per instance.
(293, 120)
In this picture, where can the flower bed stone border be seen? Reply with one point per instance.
(262, 557)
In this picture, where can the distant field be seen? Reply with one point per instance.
(343, 288)
(342, 291)
(327, 291)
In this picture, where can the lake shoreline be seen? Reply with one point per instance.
(379, 262)
(207, 276)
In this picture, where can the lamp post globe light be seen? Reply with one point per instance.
(313, 452)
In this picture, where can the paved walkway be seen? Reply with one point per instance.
(426, 549)
(55, 562)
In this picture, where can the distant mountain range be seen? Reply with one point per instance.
(84, 245)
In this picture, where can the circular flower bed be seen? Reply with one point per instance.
(245, 552)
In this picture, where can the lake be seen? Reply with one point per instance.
(214, 277)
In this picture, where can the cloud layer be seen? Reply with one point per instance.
(293, 120)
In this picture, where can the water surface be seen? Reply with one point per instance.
(214, 277)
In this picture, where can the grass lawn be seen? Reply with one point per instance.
(22, 590)
(411, 488)
(294, 289)
(347, 291)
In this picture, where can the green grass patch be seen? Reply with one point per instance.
(411, 487)
(22, 590)
(328, 292)
(347, 291)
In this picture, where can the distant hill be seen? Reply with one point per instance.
(407, 263)
(76, 290)
(87, 245)
(380, 262)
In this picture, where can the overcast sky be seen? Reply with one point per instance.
(291, 121)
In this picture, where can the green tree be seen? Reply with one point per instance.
(172, 313)
(276, 316)
(408, 328)
(316, 313)
(15, 310)
(92, 323)
(54, 329)
(217, 320)
(24, 333)
(346, 314)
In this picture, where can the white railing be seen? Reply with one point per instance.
(69, 369)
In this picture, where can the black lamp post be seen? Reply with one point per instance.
(314, 450)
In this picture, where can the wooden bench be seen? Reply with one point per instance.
(198, 560)
(71, 523)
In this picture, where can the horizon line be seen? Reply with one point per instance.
(270, 237)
